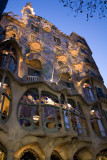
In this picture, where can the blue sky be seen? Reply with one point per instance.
(94, 31)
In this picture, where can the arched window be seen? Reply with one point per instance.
(88, 90)
(5, 98)
(29, 154)
(8, 58)
(65, 111)
(102, 155)
(83, 154)
(3, 152)
(28, 109)
(96, 121)
(55, 156)
(77, 118)
(50, 106)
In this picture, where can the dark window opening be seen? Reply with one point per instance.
(34, 28)
(57, 40)
(83, 51)
(96, 122)
(32, 72)
(88, 91)
(8, 58)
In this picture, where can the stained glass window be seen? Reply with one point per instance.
(64, 111)
(50, 107)
(102, 155)
(88, 91)
(96, 122)
(28, 109)
(5, 97)
(77, 118)
(3, 152)
(8, 58)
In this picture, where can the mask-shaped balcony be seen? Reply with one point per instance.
(35, 60)
(64, 73)
(35, 46)
(46, 26)
(12, 32)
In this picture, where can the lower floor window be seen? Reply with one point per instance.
(79, 124)
(96, 122)
(51, 117)
(28, 115)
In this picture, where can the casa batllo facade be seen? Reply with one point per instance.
(53, 102)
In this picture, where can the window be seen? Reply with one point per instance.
(28, 109)
(96, 122)
(8, 58)
(105, 113)
(29, 154)
(57, 40)
(55, 156)
(100, 92)
(77, 118)
(34, 28)
(65, 112)
(88, 91)
(33, 38)
(102, 155)
(86, 60)
(32, 72)
(50, 111)
(83, 51)
(5, 98)
(3, 152)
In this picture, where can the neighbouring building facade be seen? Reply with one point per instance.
(53, 102)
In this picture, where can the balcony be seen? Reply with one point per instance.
(102, 97)
(56, 86)
(35, 60)
(88, 73)
(89, 62)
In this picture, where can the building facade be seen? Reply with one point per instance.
(53, 102)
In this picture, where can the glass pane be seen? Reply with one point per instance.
(24, 111)
(25, 122)
(50, 113)
(36, 116)
(3, 59)
(95, 126)
(80, 112)
(13, 53)
(58, 115)
(51, 125)
(78, 125)
(7, 89)
(49, 100)
(66, 119)
(95, 113)
(30, 97)
(84, 125)
(1, 103)
(6, 106)
(12, 64)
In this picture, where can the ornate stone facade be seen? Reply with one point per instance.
(53, 102)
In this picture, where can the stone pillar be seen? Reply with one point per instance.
(40, 109)
(48, 158)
